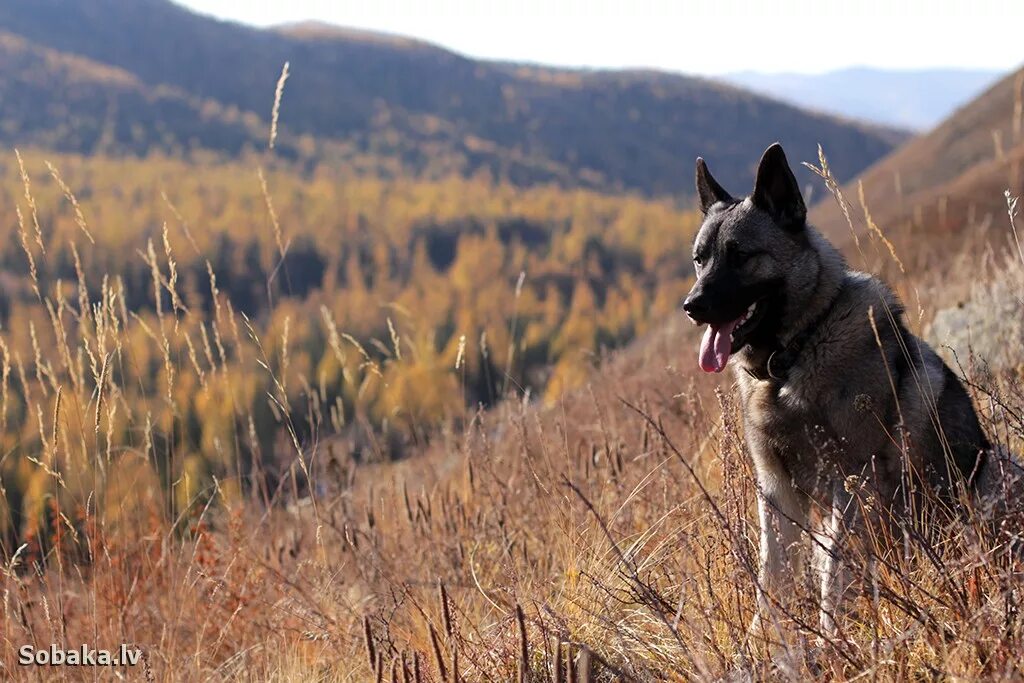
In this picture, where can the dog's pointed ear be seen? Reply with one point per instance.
(777, 192)
(708, 190)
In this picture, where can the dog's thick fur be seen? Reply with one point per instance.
(837, 395)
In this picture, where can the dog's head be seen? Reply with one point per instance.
(752, 259)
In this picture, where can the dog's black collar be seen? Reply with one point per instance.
(781, 359)
(776, 366)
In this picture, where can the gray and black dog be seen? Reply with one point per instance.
(837, 395)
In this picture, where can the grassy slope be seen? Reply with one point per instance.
(588, 518)
(584, 516)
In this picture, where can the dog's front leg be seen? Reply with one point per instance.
(832, 552)
(782, 511)
(827, 549)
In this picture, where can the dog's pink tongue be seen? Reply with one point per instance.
(716, 346)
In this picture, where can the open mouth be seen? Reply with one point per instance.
(722, 340)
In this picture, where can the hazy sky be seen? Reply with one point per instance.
(696, 37)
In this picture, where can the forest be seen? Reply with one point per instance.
(214, 320)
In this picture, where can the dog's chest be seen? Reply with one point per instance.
(782, 414)
(790, 430)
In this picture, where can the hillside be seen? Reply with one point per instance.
(946, 186)
(402, 106)
(912, 99)
(61, 101)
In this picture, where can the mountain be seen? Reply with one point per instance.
(390, 105)
(939, 184)
(912, 99)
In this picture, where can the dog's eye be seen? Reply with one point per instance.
(737, 257)
(697, 259)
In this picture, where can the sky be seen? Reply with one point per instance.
(699, 37)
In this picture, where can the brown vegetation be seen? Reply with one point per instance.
(607, 535)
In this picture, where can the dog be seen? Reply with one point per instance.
(837, 395)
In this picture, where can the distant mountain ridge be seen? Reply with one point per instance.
(384, 103)
(911, 99)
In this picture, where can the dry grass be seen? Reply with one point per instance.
(612, 534)
(609, 536)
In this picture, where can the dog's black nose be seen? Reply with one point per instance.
(694, 307)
